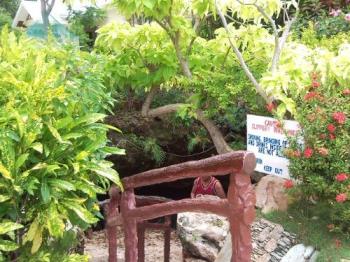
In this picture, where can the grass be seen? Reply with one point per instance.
(309, 222)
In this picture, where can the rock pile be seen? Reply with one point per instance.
(270, 241)
(203, 235)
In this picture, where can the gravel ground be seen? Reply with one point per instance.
(97, 247)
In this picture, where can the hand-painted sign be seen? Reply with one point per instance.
(267, 140)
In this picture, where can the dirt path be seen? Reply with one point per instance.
(98, 250)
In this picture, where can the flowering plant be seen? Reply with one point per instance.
(322, 165)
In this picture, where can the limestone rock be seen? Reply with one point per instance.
(202, 235)
(308, 252)
(300, 253)
(295, 254)
(270, 194)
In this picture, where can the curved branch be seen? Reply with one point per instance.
(163, 110)
(215, 134)
(241, 59)
(147, 104)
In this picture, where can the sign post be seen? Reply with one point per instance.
(267, 141)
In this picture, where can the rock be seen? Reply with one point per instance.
(314, 257)
(226, 251)
(308, 252)
(271, 245)
(202, 235)
(295, 254)
(270, 194)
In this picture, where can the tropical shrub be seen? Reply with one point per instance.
(52, 147)
(321, 165)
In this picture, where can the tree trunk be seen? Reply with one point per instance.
(215, 134)
(46, 9)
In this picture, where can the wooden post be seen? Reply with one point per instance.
(141, 228)
(130, 226)
(241, 198)
(112, 212)
(167, 235)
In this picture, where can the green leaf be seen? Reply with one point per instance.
(113, 128)
(4, 198)
(21, 160)
(7, 246)
(45, 192)
(37, 240)
(31, 232)
(8, 227)
(55, 224)
(61, 184)
(56, 135)
(38, 147)
(109, 173)
(113, 150)
(81, 212)
(5, 173)
(149, 3)
(90, 119)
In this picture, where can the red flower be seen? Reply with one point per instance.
(308, 152)
(340, 198)
(331, 128)
(322, 151)
(310, 96)
(346, 91)
(341, 177)
(331, 136)
(340, 117)
(288, 184)
(315, 84)
(270, 107)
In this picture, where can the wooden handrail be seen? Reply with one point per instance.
(214, 166)
(239, 207)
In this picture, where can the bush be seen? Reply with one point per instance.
(322, 165)
(52, 147)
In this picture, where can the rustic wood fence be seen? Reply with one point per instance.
(134, 212)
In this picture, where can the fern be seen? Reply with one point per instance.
(156, 152)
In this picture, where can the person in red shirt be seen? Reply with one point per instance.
(208, 185)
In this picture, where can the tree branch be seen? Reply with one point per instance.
(215, 134)
(282, 42)
(50, 6)
(163, 110)
(147, 104)
(241, 59)
(195, 28)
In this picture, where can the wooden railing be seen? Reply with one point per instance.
(238, 207)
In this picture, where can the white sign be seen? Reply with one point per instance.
(266, 140)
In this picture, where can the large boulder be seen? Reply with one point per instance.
(207, 236)
(202, 235)
(270, 194)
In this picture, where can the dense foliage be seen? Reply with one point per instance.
(84, 24)
(52, 147)
(322, 165)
